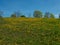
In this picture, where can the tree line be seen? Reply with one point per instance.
(36, 14)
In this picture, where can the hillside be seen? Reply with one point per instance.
(29, 31)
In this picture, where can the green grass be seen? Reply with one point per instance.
(29, 31)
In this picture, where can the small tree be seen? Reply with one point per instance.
(13, 15)
(52, 15)
(47, 15)
(37, 14)
(18, 14)
(59, 15)
(1, 19)
(1, 13)
(22, 16)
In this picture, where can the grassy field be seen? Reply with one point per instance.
(29, 31)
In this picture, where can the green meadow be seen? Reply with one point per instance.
(29, 31)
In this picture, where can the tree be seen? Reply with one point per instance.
(1, 13)
(22, 16)
(37, 14)
(59, 15)
(18, 13)
(47, 15)
(52, 15)
(1, 19)
(13, 15)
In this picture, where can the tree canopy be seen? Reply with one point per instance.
(37, 14)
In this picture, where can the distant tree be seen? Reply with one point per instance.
(52, 15)
(1, 14)
(59, 15)
(47, 15)
(22, 16)
(13, 15)
(37, 14)
(1, 18)
(18, 13)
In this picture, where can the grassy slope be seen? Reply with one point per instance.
(29, 31)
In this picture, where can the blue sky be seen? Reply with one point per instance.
(28, 6)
